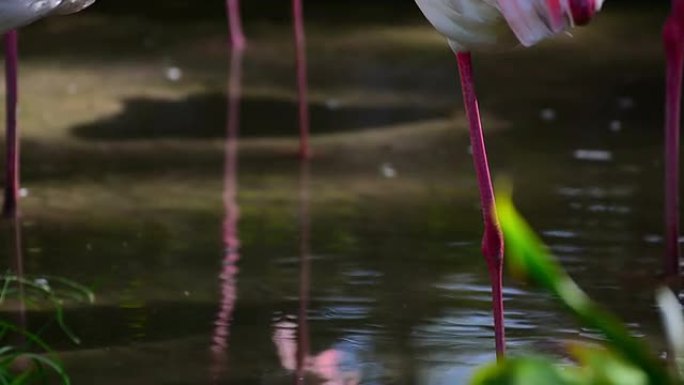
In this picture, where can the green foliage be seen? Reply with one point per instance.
(24, 356)
(624, 360)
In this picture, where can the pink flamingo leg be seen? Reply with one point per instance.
(492, 241)
(12, 141)
(237, 36)
(673, 37)
(302, 81)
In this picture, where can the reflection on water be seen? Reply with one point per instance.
(231, 239)
(16, 267)
(342, 363)
(303, 344)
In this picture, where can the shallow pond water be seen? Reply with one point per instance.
(213, 266)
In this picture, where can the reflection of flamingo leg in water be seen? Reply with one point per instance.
(231, 240)
(17, 265)
(337, 365)
(303, 344)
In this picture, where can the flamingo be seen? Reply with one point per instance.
(15, 14)
(480, 24)
(237, 39)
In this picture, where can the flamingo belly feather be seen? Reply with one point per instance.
(485, 24)
(18, 13)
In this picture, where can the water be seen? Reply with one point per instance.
(214, 267)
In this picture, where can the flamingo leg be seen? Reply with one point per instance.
(302, 81)
(237, 36)
(673, 38)
(492, 241)
(12, 140)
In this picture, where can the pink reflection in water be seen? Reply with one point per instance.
(292, 340)
(17, 266)
(302, 341)
(231, 241)
(328, 366)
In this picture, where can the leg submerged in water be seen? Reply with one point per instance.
(492, 241)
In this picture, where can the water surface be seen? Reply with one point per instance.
(217, 265)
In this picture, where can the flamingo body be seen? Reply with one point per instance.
(18, 13)
(481, 24)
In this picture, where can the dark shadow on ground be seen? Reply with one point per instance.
(203, 116)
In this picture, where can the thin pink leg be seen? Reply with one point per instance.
(673, 37)
(302, 81)
(492, 241)
(12, 140)
(237, 36)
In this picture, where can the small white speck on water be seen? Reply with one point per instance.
(186, 293)
(625, 103)
(89, 246)
(565, 234)
(34, 250)
(388, 171)
(333, 104)
(616, 126)
(469, 150)
(652, 238)
(23, 192)
(173, 74)
(548, 114)
(593, 155)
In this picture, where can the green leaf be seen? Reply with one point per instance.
(528, 258)
(602, 366)
(523, 371)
